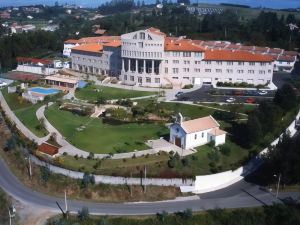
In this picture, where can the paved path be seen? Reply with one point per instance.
(10, 114)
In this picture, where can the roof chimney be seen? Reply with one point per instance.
(179, 118)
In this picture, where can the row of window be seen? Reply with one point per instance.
(198, 70)
(141, 54)
(183, 54)
(105, 62)
(140, 79)
(217, 62)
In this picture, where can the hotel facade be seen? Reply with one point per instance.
(151, 59)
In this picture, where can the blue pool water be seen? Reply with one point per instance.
(44, 91)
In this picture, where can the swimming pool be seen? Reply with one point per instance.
(44, 91)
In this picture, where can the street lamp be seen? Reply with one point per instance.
(11, 213)
(278, 183)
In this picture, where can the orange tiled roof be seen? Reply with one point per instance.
(97, 48)
(116, 43)
(182, 45)
(155, 31)
(227, 55)
(48, 149)
(71, 41)
(200, 124)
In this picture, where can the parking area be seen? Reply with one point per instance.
(209, 94)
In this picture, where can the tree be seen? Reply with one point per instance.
(45, 174)
(286, 97)
(254, 130)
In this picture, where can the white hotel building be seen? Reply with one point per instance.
(149, 58)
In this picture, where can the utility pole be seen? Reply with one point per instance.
(66, 204)
(30, 169)
(9, 216)
(145, 172)
(278, 185)
(131, 184)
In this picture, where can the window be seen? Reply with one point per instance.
(251, 71)
(240, 71)
(175, 70)
(176, 54)
(263, 64)
(269, 71)
(198, 54)
(202, 134)
(148, 80)
(229, 71)
(142, 35)
(251, 63)
(207, 70)
(195, 136)
(229, 63)
(149, 37)
(176, 78)
(186, 78)
(197, 70)
(218, 70)
(131, 78)
(197, 62)
(166, 70)
(241, 63)
(186, 54)
(125, 77)
(186, 69)
(166, 61)
(175, 61)
(262, 72)
(219, 63)
(157, 80)
(186, 62)
(207, 62)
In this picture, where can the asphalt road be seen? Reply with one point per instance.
(239, 195)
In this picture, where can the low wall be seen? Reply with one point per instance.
(217, 181)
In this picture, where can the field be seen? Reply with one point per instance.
(93, 92)
(98, 137)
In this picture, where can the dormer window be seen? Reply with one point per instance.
(135, 36)
(142, 36)
(149, 37)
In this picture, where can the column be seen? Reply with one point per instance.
(144, 66)
(123, 65)
(136, 66)
(152, 70)
(128, 65)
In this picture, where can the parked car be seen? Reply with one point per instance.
(230, 100)
(262, 92)
(238, 92)
(178, 94)
(250, 100)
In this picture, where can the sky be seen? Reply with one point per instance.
(94, 3)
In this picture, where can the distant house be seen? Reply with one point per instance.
(197, 132)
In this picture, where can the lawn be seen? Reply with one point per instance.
(98, 137)
(25, 111)
(93, 92)
(118, 167)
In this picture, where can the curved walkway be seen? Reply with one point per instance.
(14, 119)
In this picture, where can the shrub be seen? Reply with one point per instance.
(225, 150)
(83, 214)
(171, 162)
(185, 162)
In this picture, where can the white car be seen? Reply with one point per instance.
(262, 92)
(230, 100)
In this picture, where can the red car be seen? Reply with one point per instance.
(250, 100)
